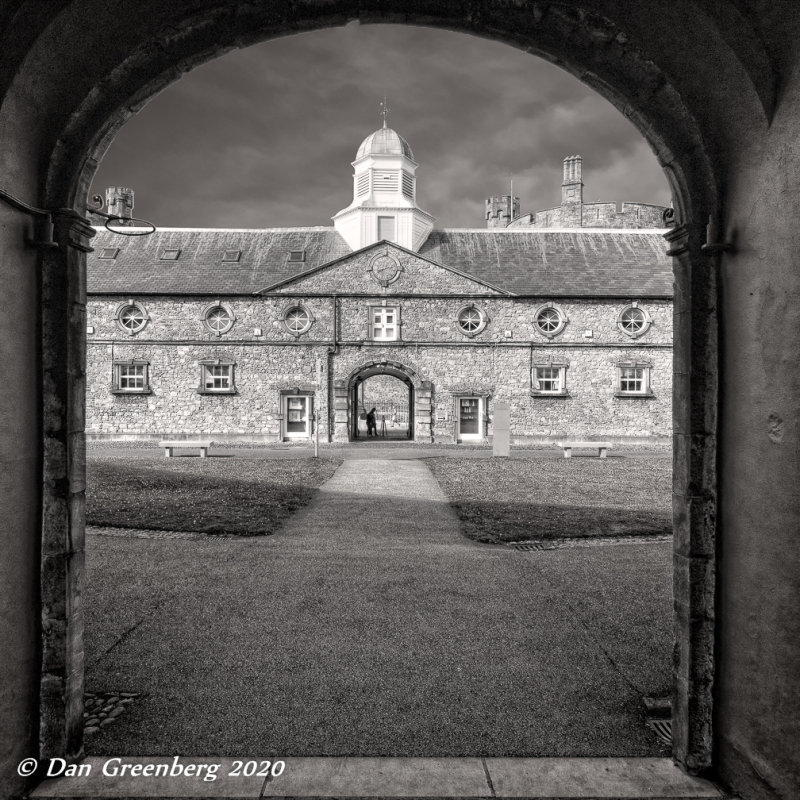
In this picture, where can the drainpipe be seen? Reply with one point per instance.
(332, 351)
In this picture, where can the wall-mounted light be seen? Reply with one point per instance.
(144, 229)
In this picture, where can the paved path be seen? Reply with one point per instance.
(368, 626)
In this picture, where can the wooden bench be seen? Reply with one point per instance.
(186, 444)
(601, 447)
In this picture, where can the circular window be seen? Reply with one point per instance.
(219, 318)
(633, 321)
(550, 320)
(297, 320)
(131, 317)
(471, 320)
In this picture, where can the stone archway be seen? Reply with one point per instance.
(72, 73)
(420, 396)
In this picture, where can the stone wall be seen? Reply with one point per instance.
(423, 319)
(493, 364)
(594, 215)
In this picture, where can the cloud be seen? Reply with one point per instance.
(265, 136)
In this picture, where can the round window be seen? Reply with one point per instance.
(550, 320)
(633, 321)
(471, 321)
(131, 317)
(219, 319)
(297, 320)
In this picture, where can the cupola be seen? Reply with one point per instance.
(384, 195)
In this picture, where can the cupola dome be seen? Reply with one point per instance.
(384, 142)
(384, 206)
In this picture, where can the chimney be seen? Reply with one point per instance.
(119, 202)
(501, 210)
(572, 185)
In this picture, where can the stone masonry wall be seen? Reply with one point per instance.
(594, 215)
(495, 363)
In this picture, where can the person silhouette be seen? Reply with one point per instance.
(372, 427)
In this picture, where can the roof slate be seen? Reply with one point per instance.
(551, 263)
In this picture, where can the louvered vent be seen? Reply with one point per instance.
(408, 185)
(385, 181)
(363, 184)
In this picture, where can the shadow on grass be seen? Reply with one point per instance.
(243, 497)
(498, 522)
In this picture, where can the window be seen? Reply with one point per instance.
(231, 255)
(131, 317)
(633, 320)
(550, 320)
(633, 379)
(386, 229)
(131, 377)
(471, 321)
(219, 318)
(384, 323)
(216, 377)
(169, 255)
(297, 320)
(549, 379)
(109, 252)
(297, 255)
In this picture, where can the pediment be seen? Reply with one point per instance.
(386, 268)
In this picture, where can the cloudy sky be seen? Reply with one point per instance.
(264, 137)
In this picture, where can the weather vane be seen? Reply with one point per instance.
(384, 110)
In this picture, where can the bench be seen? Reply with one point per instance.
(601, 447)
(186, 444)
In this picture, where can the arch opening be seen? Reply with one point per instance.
(140, 70)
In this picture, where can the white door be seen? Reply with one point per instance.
(470, 419)
(297, 417)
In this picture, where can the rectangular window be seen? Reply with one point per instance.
(131, 377)
(109, 252)
(549, 379)
(231, 255)
(633, 379)
(384, 324)
(386, 229)
(169, 255)
(297, 255)
(216, 377)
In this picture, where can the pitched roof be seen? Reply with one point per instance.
(199, 268)
(559, 262)
(546, 262)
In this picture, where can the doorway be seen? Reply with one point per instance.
(391, 399)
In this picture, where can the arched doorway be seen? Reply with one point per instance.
(660, 64)
(391, 399)
(403, 403)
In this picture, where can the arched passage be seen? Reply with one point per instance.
(74, 71)
(348, 403)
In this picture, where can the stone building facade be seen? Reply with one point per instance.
(269, 335)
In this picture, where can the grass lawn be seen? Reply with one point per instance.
(511, 500)
(250, 497)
